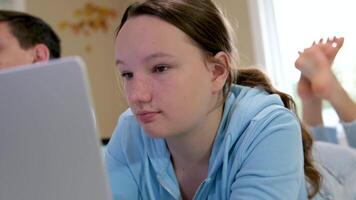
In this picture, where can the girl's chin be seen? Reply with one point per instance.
(152, 132)
(155, 133)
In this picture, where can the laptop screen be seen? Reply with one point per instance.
(49, 143)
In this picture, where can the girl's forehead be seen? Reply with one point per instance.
(150, 28)
(151, 35)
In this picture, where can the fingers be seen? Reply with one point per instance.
(329, 47)
(338, 42)
(320, 41)
(320, 51)
(334, 42)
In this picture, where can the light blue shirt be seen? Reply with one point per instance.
(257, 154)
(336, 163)
(329, 134)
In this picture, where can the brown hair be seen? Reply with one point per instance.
(207, 27)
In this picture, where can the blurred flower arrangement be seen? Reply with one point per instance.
(91, 18)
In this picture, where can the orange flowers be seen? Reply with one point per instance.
(90, 19)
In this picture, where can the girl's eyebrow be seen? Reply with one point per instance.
(147, 58)
(119, 62)
(157, 55)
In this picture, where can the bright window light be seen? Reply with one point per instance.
(284, 27)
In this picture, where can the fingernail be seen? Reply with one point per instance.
(334, 44)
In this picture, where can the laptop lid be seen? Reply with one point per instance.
(49, 144)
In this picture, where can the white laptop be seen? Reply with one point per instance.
(49, 144)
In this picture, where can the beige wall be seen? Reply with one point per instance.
(100, 61)
(237, 13)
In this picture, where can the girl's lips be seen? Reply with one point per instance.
(146, 116)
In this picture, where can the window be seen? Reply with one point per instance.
(281, 28)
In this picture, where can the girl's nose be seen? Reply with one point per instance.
(139, 91)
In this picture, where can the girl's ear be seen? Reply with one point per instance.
(219, 67)
(41, 53)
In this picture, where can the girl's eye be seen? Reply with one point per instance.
(127, 75)
(160, 68)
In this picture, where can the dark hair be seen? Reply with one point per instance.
(30, 31)
(207, 27)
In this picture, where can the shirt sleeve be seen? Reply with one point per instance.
(273, 167)
(325, 134)
(350, 132)
(122, 184)
(121, 180)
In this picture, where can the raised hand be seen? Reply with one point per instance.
(315, 65)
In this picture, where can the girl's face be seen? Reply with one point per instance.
(167, 82)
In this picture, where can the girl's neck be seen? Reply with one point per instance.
(194, 148)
